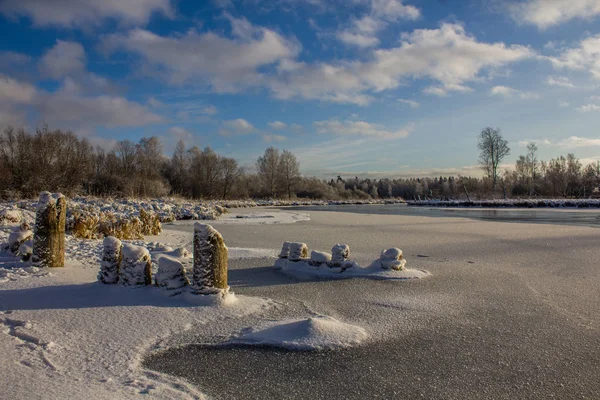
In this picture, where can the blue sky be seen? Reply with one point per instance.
(384, 88)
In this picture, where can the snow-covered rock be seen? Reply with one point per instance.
(171, 274)
(136, 266)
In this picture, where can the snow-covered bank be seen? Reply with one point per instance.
(65, 335)
(525, 203)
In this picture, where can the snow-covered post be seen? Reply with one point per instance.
(317, 258)
(340, 253)
(171, 274)
(210, 260)
(17, 238)
(285, 250)
(392, 259)
(136, 266)
(298, 251)
(49, 230)
(111, 258)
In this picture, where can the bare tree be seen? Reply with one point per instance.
(532, 162)
(229, 173)
(267, 166)
(289, 172)
(493, 148)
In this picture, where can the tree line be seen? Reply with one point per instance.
(559, 177)
(56, 160)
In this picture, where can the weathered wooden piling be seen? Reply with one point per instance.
(298, 251)
(171, 274)
(210, 260)
(49, 230)
(340, 253)
(111, 258)
(136, 266)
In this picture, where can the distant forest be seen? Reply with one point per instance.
(56, 160)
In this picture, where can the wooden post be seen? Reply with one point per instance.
(340, 253)
(111, 259)
(136, 266)
(49, 230)
(298, 251)
(171, 274)
(210, 260)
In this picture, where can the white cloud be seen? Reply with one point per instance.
(570, 142)
(589, 107)
(224, 64)
(411, 103)
(64, 59)
(277, 125)
(562, 81)
(236, 126)
(447, 55)
(82, 13)
(394, 10)
(357, 39)
(563, 104)
(209, 110)
(510, 92)
(362, 32)
(65, 108)
(359, 128)
(177, 133)
(586, 56)
(546, 13)
(13, 92)
(270, 137)
(436, 91)
(152, 102)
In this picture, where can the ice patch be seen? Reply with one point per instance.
(262, 218)
(316, 333)
(242, 253)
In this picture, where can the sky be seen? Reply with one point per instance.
(378, 88)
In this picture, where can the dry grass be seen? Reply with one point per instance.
(93, 226)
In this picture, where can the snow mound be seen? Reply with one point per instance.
(316, 333)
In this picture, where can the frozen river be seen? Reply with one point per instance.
(577, 217)
(510, 311)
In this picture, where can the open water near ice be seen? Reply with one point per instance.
(589, 218)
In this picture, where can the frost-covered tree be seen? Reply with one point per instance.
(493, 148)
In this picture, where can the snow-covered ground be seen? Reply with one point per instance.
(63, 334)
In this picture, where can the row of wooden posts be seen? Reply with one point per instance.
(128, 264)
